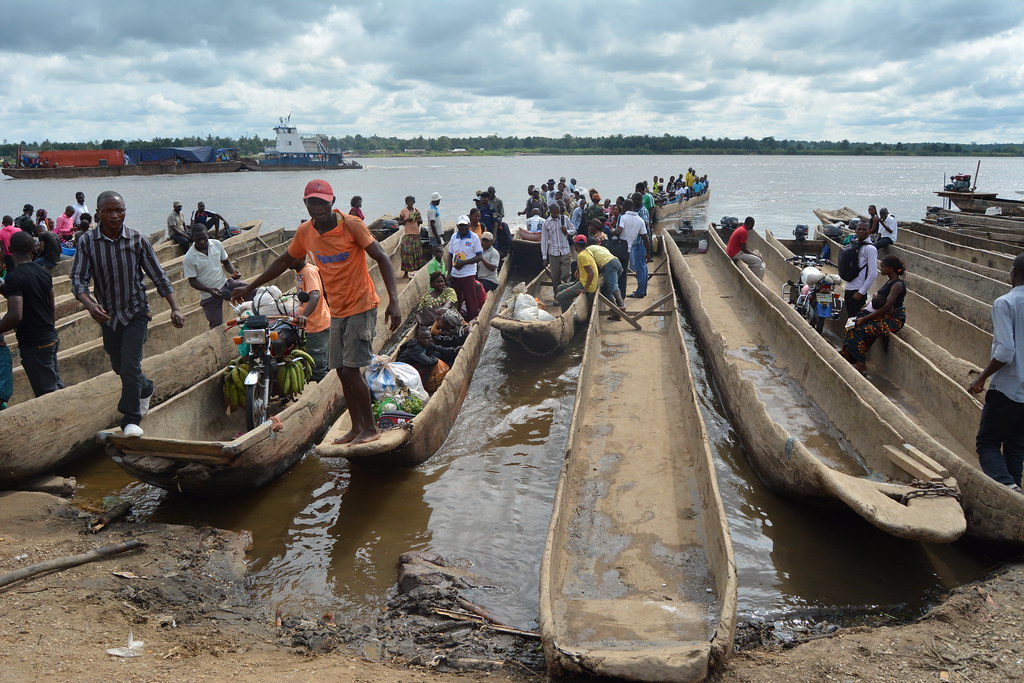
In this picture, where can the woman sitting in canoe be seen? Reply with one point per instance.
(411, 248)
(886, 317)
(450, 329)
(430, 360)
(436, 300)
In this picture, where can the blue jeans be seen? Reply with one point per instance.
(124, 346)
(638, 262)
(611, 276)
(41, 369)
(1000, 442)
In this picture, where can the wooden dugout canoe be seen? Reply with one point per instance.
(638, 578)
(417, 440)
(79, 328)
(219, 456)
(804, 427)
(543, 338)
(978, 225)
(993, 264)
(954, 345)
(979, 202)
(671, 211)
(943, 294)
(88, 359)
(993, 511)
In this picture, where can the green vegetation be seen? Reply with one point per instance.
(567, 144)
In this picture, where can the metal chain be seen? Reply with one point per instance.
(929, 488)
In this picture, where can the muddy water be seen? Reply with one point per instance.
(327, 536)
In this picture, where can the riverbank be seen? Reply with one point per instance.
(184, 595)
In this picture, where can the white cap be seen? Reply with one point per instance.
(462, 220)
(436, 197)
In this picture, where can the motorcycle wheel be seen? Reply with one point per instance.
(256, 410)
(819, 323)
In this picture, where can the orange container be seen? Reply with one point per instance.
(82, 158)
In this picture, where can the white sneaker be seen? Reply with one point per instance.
(144, 402)
(1014, 488)
(132, 430)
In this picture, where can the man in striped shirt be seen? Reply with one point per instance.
(114, 257)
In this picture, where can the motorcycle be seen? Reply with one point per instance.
(815, 296)
(271, 339)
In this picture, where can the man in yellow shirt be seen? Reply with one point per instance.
(592, 262)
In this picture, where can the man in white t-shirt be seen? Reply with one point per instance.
(887, 229)
(80, 207)
(464, 252)
(204, 265)
(487, 268)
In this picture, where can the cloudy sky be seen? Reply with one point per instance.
(872, 70)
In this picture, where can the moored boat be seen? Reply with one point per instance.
(980, 202)
(670, 211)
(805, 429)
(417, 440)
(638, 578)
(192, 447)
(543, 338)
(993, 511)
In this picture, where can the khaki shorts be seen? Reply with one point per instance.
(351, 340)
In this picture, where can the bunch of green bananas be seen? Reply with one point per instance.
(294, 372)
(234, 382)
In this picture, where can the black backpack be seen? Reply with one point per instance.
(849, 261)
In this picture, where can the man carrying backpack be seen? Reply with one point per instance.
(858, 267)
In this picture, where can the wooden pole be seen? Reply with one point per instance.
(73, 561)
(977, 169)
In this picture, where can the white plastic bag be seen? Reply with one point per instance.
(543, 316)
(524, 307)
(386, 377)
(267, 301)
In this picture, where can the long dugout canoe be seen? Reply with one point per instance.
(417, 440)
(937, 402)
(193, 448)
(672, 210)
(79, 328)
(638, 577)
(979, 202)
(805, 429)
(942, 294)
(993, 511)
(543, 338)
(88, 359)
(957, 347)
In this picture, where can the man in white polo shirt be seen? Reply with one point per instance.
(204, 265)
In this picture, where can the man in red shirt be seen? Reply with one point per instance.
(339, 244)
(737, 248)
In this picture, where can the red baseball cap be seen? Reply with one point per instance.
(321, 189)
(580, 239)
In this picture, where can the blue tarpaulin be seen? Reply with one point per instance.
(157, 154)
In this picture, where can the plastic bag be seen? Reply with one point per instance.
(386, 377)
(267, 301)
(524, 307)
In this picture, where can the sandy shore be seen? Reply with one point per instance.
(183, 594)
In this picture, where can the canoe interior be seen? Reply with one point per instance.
(542, 338)
(638, 577)
(804, 427)
(418, 440)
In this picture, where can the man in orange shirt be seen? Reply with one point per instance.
(339, 244)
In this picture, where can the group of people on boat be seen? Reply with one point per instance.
(679, 188)
(181, 233)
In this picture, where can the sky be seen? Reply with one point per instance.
(866, 71)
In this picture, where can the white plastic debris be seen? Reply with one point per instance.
(134, 648)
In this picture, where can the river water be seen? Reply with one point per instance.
(326, 536)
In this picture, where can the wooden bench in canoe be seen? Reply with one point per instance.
(218, 456)
(543, 338)
(88, 359)
(417, 440)
(638, 578)
(804, 427)
(993, 511)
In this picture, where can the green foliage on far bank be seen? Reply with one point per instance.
(567, 144)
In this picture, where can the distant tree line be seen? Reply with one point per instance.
(567, 144)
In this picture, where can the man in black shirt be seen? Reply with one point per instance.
(25, 221)
(50, 248)
(29, 292)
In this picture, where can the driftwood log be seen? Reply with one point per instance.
(72, 561)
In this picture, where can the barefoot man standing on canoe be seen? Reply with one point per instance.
(339, 244)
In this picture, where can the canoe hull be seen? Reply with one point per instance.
(543, 338)
(638, 577)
